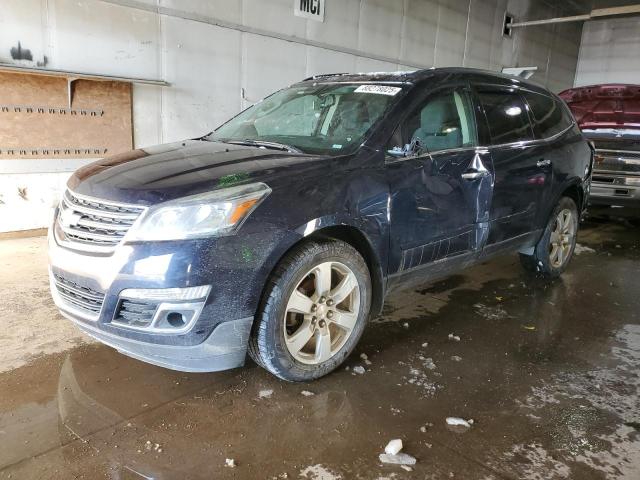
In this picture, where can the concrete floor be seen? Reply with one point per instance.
(548, 373)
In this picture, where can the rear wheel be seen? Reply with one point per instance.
(555, 249)
(313, 313)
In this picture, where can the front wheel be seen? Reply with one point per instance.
(314, 311)
(555, 249)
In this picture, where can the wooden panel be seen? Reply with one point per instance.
(36, 121)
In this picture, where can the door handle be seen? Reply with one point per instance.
(543, 163)
(474, 175)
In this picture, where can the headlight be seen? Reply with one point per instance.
(216, 213)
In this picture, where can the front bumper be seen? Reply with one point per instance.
(618, 190)
(217, 340)
(225, 348)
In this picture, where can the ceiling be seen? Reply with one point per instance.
(585, 6)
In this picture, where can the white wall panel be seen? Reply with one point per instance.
(419, 32)
(380, 26)
(100, 38)
(203, 65)
(274, 15)
(369, 65)
(320, 60)
(451, 33)
(147, 115)
(610, 52)
(269, 65)
(340, 26)
(23, 22)
(480, 33)
(227, 10)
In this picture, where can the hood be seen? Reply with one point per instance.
(165, 172)
(615, 106)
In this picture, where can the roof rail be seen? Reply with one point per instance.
(325, 75)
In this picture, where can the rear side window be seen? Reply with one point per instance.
(549, 115)
(506, 115)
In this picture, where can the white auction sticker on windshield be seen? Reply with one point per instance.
(379, 89)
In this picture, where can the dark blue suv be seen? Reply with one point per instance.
(280, 233)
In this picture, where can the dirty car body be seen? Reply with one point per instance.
(609, 116)
(415, 203)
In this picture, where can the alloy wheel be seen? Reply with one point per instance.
(561, 240)
(321, 313)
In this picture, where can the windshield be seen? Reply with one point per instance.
(318, 119)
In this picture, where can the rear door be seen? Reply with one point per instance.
(551, 121)
(521, 172)
(441, 188)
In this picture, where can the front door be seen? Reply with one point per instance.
(440, 184)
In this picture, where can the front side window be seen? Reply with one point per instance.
(319, 119)
(549, 115)
(445, 121)
(506, 116)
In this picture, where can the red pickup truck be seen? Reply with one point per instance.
(609, 116)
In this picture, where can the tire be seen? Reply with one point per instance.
(285, 316)
(554, 250)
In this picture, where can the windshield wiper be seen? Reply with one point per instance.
(270, 145)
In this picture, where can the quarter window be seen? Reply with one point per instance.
(549, 115)
(507, 117)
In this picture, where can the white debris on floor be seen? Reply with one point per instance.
(319, 472)
(399, 459)
(490, 313)
(456, 358)
(364, 356)
(265, 393)
(359, 370)
(230, 462)
(405, 325)
(582, 249)
(392, 454)
(459, 422)
(307, 393)
(393, 447)
(428, 363)
(453, 337)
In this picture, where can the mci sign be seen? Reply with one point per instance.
(312, 9)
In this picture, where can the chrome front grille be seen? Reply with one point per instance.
(83, 298)
(93, 223)
(622, 162)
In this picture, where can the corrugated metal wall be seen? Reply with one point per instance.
(209, 65)
(610, 52)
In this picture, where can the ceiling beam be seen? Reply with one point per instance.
(595, 13)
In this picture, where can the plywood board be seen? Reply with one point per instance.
(37, 122)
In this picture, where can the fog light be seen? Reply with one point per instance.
(173, 310)
(176, 319)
